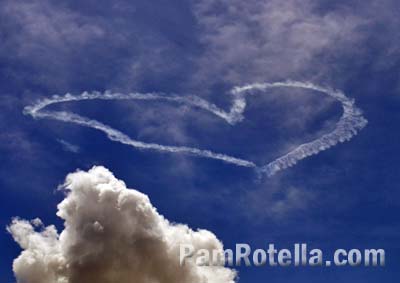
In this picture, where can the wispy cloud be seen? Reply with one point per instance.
(69, 146)
(302, 40)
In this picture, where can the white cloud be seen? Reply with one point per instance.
(277, 200)
(254, 41)
(46, 25)
(67, 146)
(111, 234)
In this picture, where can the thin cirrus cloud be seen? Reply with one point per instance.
(67, 146)
(348, 125)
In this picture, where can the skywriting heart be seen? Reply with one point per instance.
(348, 125)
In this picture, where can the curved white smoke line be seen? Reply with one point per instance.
(37, 111)
(349, 124)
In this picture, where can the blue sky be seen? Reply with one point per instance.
(345, 197)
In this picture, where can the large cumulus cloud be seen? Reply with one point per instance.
(111, 234)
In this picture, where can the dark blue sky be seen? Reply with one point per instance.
(345, 197)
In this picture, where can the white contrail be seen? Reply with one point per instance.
(349, 124)
(37, 111)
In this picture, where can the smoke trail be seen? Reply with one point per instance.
(36, 111)
(349, 124)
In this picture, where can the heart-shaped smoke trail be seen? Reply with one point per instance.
(348, 125)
